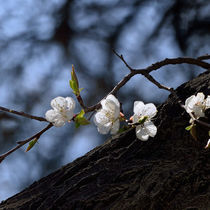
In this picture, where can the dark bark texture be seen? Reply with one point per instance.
(170, 171)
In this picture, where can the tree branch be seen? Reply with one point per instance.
(23, 114)
(21, 143)
(145, 72)
(174, 61)
(204, 57)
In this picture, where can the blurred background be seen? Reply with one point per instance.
(40, 40)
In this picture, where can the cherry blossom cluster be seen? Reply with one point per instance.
(107, 119)
(108, 115)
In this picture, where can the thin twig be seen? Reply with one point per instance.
(155, 82)
(122, 58)
(23, 114)
(21, 143)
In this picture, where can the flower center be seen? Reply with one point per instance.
(143, 119)
(110, 116)
(198, 104)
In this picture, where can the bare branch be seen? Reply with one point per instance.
(114, 90)
(146, 72)
(122, 58)
(23, 114)
(122, 82)
(155, 82)
(174, 61)
(21, 143)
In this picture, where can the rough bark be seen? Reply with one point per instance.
(170, 171)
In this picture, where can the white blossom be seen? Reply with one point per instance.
(196, 104)
(107, 118)
(143, 113)
(63, 111)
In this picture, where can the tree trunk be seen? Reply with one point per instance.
(170, 171)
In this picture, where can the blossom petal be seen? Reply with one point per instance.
(198, 111)
(59, 103)
(150, 128)
(70, 103)
(104, 129)
(138, 107)
(59, 122)
(149, 110)
(141, 133)
(114, 99)
(136, 118)
(189, 103)
(111, 108)
(101, 118)
(200, 97)
(108, 105)
(116, 113)
(55, 118)
(207, 102)
(196, 104)
(103, 103)
(141, 109)
(51, 115)
(69, 114)
(115, 127)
